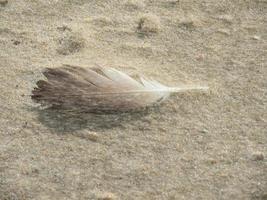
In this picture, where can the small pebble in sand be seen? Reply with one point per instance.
(189, 23)
(64, 28)
(70, 43)
(257, 156)
(92, 136)
(107, 196)
(16, 42)
(89, 136)
(3, 2)
(149, 24)
(224, 31)
(256, 37)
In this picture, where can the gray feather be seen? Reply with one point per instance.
(99, 90)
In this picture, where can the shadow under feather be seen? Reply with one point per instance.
(64, 121)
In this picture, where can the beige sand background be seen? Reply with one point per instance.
(195, 146)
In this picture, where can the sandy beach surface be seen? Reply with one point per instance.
(196, 145)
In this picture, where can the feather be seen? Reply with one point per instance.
(99, 90)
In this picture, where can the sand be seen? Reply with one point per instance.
(195, 146)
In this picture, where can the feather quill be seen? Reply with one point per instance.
(100, 90)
